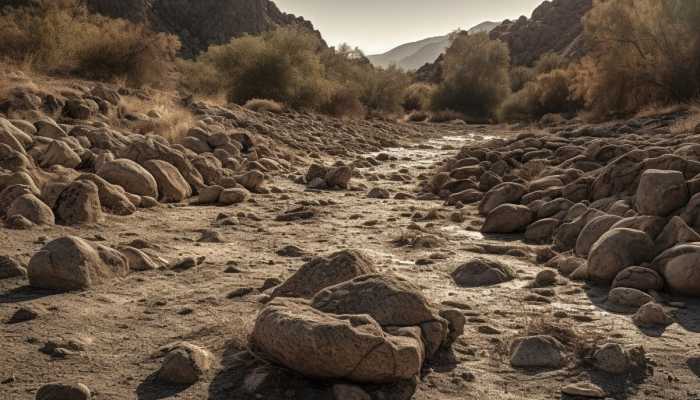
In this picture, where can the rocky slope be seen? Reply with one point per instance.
(555, 26)
(198, 24)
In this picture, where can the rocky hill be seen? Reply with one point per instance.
(198, 24)
(411, 56)
(555, 26)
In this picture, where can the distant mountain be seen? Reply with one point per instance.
(411, 56)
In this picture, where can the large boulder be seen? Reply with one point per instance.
(482, 272)
(592, 232)
(537, 352)
(71, 263)
(59, 153)
(661, 192)
(33, 209)
(10, 194)
(325, 346)
(507, 192)
(680, 267)
(389, 300)
(172, 186)
(112, 197)
(322, 272)
(617, 250)
(184, 364)
(79, 203)
(9, 134)
(639, 278)
(508, 218)
(131, 176)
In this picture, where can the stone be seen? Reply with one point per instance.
(586, 389)
(23, 314)
(680, 267)
(71, 263)
(628, 297)
(612, 358)
(507, 192)
(209, 194)
(112, 197)
(325, 346)
(33, 209)
(651, 315)
(10, 268)
(131, 176)
(59, 153)
(62, 391)
(229, 197)
(616, 250)
(172, 186)
(480, 272)
(547, 277)
(639, 278)
(338, 177)
(661, 192)
(9, 134)
(184, 364)
(349, 392)
(138, 260)
(10, 194)
(78, 204)
(675, 232)
(378, 193)
(592, 231)
(508, 218)
(322, 272)
(537, 352)
(541, 231)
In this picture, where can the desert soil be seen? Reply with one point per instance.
(117, 328)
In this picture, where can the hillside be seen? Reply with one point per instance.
(225, 19)
(411, 56)
(555, 26)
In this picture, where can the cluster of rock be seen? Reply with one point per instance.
(337, 318)
(621, 208)
(321, 177)
(72, 172)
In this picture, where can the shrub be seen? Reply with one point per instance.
(62, 36)
(417, 97)
(282, 65)
(344, 102)
(548, 93)
(264, 105)
(519, 76)
(548, 62)
(383, 89)
(418, 116)
(475, 77)
(642, 52)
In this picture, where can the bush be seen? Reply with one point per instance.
(417, 97)
(548, 62)
(264, 105)
(62, 36)
(475, 77)
(642, 52)
(519, 76)
(344, 103)
(547, 94)
(418, 116)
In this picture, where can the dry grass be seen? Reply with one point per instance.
(264, 105)
(173, 121)
(689, 124)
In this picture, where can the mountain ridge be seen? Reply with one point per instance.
(413, 55)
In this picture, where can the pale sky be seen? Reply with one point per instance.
(380, 25)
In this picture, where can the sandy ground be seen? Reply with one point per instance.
(116, 329)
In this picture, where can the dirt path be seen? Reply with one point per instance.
(117, 329)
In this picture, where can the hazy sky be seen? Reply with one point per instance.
(379, 25)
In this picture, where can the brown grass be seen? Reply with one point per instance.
(174, 121)
(264, 105)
